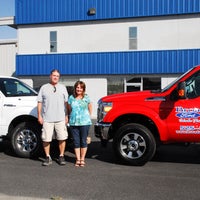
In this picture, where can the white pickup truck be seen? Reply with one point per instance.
(18, 117)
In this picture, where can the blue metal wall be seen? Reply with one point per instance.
(138, 62)
(50, 11)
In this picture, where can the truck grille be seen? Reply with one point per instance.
(100, 112)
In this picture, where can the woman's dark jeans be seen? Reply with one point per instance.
(79, 134)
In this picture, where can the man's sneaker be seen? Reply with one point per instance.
(47, 161)
(61, 160)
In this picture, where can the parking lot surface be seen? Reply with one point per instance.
(174, 173)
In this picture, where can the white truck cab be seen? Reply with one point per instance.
(18, 116)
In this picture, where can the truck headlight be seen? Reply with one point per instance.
(107, 107)
(103, 109)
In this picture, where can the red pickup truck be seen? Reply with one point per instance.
(139, 121)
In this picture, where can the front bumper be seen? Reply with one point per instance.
(101, 130)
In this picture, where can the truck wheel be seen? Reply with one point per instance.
(26, 139)
(134, 144)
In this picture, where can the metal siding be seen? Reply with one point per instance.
(7, 58)
(50, 11)
(141, 62)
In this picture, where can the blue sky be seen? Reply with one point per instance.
(7, 8)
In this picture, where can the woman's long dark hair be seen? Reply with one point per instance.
(83, 86)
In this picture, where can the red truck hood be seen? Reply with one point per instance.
(137, 96)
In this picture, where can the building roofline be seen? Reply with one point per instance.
(8, 21)
(8, 41)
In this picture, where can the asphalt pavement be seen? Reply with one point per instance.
(174, 173)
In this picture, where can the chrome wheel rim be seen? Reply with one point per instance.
(26, 140)
(132, 145)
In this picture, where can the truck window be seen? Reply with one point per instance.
(193, 86)
(12, 87)
(176, 80)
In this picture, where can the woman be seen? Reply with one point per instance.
(80, 109)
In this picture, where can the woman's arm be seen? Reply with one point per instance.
(90, 108)
(69, 109)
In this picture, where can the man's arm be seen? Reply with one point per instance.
(39, 111)
(66, 113)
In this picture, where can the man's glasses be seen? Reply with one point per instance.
(54, 89)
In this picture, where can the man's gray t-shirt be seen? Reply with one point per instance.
(53, 102)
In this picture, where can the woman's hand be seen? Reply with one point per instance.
(66, 119)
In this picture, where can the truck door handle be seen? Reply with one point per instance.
(9, 105)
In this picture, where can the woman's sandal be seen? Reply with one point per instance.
(82, 163)
(78, 163)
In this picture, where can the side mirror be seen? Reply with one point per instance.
(181, 90)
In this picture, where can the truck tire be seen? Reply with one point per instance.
(134, 144)
(26, 139)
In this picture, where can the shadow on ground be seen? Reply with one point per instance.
(165, 153)
(178, 153)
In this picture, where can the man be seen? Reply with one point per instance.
(52, 114)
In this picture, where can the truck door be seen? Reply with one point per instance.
(1, 105)
(183, 119)
(15, 97)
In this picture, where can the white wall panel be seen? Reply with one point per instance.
(170, 34)
(7, 58)
(153, 34)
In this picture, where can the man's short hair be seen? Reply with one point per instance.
(55, 70)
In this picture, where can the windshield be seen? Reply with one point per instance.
(13, 87)
(176, 80)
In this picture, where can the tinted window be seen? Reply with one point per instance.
(14, 87)
(132, 37)
(193, 86)
(53, 41)
(152, 83)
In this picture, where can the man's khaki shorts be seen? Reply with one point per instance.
(51, 129)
